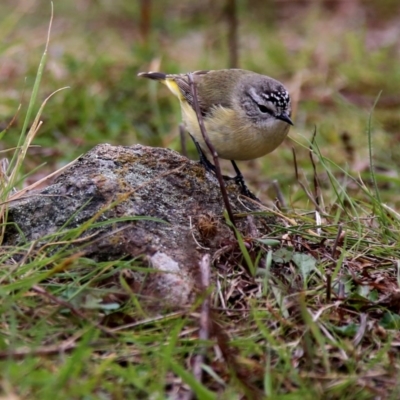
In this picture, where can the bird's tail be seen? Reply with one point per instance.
(157, 76)
(169, 80)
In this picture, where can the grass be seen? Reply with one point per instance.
(318, 316)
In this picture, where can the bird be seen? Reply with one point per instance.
(246, 115)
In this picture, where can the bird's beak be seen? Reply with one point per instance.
(284, 117)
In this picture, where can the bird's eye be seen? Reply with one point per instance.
(263, 109)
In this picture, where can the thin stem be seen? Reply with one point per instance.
(211, 148)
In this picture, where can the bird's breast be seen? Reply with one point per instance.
(235, 137)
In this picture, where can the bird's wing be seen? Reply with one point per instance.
(214, 87)
(183, 83)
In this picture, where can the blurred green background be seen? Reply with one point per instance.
(335, 57)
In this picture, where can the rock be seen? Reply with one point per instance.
(169, 211)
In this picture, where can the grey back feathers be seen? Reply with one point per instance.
(257, 94)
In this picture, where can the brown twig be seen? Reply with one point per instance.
(23, 352)
(145, 19)
(77, 313)
(296, 170)
(341, 291)
(279, 193)
(182, 135)
(317, 188)
(361, 330)
(309, 195)
(205, 321)
(64, 347)
(232, 21)
(211, 148)
(337, 239)
(328, 287)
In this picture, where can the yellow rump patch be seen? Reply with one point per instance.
(174, 88)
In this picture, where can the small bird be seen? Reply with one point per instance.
(246, 115)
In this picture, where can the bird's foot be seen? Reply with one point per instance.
(244, 189)
(239, 180)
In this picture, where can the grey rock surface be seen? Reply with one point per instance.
(170, 213)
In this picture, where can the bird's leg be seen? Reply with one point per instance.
(240, 181)
(203, 158)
